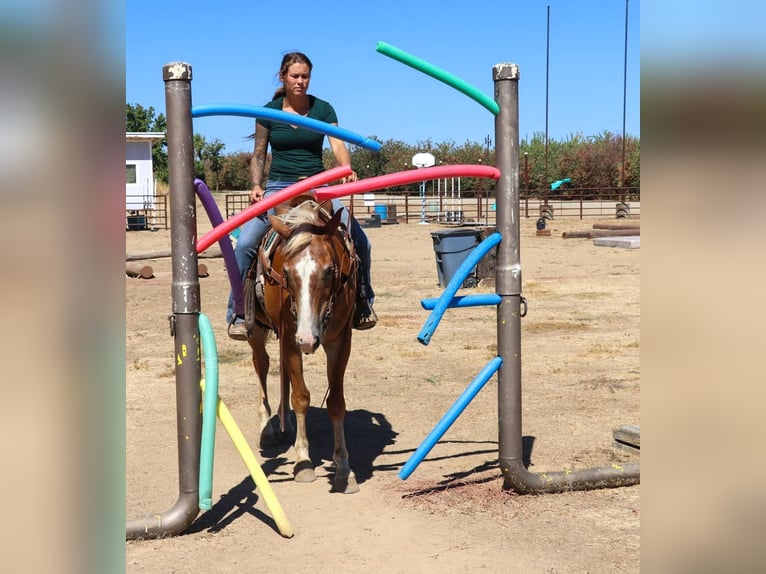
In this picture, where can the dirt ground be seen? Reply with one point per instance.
(581, 380)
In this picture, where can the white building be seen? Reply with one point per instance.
(139, 172)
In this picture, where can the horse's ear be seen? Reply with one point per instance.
(280, 226)
(332, 225)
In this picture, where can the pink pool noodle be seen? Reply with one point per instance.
(410, 176)
(264, 205)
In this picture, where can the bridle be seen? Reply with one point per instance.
(344, 260)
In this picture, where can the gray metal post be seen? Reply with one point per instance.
(185, 293)
(508, 286)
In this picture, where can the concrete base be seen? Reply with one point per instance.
(627, 242)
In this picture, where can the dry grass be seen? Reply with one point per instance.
(555, 325)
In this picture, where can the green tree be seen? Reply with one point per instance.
(590, 162)
(632, 162)
(235, 171)
(207, 160)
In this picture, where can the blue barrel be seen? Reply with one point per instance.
(382, 211)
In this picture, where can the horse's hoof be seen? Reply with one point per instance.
(304, 472)
(268, 437)
(346, 485)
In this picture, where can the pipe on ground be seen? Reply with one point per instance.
(508, 287)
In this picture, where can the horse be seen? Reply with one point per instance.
(302, 286)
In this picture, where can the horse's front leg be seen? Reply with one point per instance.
(300, 398)
(337, 359)
(257, 342)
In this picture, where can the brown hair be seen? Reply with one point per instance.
(288, 60)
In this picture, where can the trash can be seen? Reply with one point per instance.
(452, 247)
(136, 222)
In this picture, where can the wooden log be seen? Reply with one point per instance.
(601, 233)
(138, 270)
(208, 254)
(628, 437)
(616, 226)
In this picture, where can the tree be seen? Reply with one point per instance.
(207, 160)
(235, 171)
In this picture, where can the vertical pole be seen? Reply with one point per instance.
(185, 280)
(508, 268)
(508, 287)
(184, 322)
(624, 100)
(547, 76)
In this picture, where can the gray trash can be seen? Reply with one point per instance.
(452, 247)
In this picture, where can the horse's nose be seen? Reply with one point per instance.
(307, 342)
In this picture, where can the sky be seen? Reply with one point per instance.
(235, 49)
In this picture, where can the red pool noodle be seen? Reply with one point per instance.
(297, 188)
(402, 177)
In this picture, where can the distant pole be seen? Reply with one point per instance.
(624, 98)
(547, 75)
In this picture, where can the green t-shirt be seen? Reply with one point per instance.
(297, 152)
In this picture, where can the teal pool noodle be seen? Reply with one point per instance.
(209, 410)
(442, 75)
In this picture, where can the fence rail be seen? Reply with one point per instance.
(405, 207)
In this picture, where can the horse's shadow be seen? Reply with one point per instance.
(367, 436)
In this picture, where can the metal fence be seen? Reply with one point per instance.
(154, 214)
(406, 207)
(399, 206)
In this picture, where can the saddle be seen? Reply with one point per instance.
(262, 268)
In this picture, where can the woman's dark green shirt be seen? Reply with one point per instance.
(297, 152)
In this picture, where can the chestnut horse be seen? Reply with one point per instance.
(302, 286)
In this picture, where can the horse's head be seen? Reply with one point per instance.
(312, 269)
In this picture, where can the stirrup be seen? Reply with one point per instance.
(237, 330)
(364, 322)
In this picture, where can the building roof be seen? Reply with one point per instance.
(144, 136)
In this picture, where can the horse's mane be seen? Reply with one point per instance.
(305, 213)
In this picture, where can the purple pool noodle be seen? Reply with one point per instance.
(232, 269)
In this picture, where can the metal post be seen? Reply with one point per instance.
(508, 286)
(184, 322)
(508, 264)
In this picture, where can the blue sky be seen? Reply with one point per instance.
(235, 49)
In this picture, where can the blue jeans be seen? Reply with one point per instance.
(251, 233)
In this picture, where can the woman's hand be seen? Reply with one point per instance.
(256, 194)
(350, 178)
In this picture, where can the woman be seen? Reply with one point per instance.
(296, 153)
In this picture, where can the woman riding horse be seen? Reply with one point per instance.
(296, 153)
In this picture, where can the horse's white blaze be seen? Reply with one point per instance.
(306, 331)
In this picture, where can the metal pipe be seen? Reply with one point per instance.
(186, 307)
(508, 287)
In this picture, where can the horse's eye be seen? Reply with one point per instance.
(329, 272)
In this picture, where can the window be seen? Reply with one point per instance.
(130, 173)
